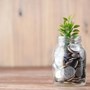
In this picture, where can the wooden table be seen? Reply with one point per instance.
(33, 79)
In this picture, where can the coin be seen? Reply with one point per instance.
(68, 72)
(69, 49)
(59, 74)
(79, 72)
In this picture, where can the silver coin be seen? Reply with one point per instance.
(76, 64)
(59, 75)
(69, 72)
(70, 79)
(79, 72)
(65, 73)
(70, 50)
(74, 47)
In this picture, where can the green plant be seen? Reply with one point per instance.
(68, 28)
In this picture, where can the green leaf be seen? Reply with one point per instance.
(74, 33)
(62, 31)
(69, 17)
(65, 19)
(70, 25)
(76, 26)
(74, 36)
(61, 26)
(61, 34)
(76, 30)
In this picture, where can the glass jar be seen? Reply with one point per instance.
(69, 62)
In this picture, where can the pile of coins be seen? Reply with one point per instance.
(73, 69)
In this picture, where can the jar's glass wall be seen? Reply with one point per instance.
(69, 62)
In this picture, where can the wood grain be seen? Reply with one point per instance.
(34, 78)
(6, 33)
(30, 39)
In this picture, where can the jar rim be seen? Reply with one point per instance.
(72, 40)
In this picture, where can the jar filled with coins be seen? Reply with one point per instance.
(69, 61)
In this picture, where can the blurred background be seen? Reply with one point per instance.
(29, 29)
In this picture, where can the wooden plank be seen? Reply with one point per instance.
(86, 27)
(47, 31)
(34, 78)
(27, 33)
(6, 33)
